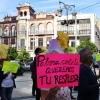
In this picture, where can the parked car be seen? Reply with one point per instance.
(27, 66)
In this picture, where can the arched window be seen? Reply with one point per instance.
(41, 29)
(49, 28)
(32, 29)
(0, 31)
(13, 31)
(21, 13)
(25, 13)
(6, 31)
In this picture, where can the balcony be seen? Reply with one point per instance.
(22, 33)
(42, 33)
(21, 47)
(85, 32)
(5, 35)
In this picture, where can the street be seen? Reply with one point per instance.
(23, 88)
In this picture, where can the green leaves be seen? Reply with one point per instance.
(12, 53)
(23, 55)
(89, 44)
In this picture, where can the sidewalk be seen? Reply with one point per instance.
(23, 88)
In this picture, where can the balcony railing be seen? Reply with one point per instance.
(21, 32)
(85, 32)
(41, 32)
(21, 47)
(8, 34)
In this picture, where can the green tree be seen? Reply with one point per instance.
(71, 50)
(87, 43)
(12, 53)
(44, 50)
(23, 56)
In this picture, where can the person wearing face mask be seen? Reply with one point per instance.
(88, 88)
(94, 65)
(34, 75)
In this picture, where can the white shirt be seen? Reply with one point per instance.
(62, 94)
(8, 81)
(92, 68)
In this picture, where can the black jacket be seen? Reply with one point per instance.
(88, 88)
(33, 69)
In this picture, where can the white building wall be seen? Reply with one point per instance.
(80, 16)
(92, 19)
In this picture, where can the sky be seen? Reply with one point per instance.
(9, 6)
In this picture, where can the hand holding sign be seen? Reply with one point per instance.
(10, 67)
(54, 90)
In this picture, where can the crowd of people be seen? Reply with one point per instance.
(88, 87)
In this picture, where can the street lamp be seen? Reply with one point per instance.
(67, 7)
(74, 15)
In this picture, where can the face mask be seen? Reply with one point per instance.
(40, 53)
(94, 58)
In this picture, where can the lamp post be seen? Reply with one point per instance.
(74, 15)
(67, 8)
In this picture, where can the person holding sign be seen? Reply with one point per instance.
(88, 88)
(56, 92)
(7, 85)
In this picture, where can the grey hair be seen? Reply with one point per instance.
(54, 51)
(83, 52)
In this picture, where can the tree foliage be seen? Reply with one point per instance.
(71, 50)
(44, 50)
(12, 53)
(87, 43)
(23, 55)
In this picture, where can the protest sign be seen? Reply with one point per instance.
(10, 67)
(97, 57)
(57, 69)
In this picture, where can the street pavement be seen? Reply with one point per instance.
(23, 90)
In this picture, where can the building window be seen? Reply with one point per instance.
(48, 42)
(22, 43)
(22, 29)
(21, 13)
(6, 41)
(84, 26)
(49, 28)
(41, 29)
(33, 29)
(25, 13)
(64, 28)
(71, 30)
(12, 41)
(13, 31)
(6, 31)
(31, 44)
(40, 42)
(0, 31)
(72, 43)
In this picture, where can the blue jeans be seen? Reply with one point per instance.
(6, 93)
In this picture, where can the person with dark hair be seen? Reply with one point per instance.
(34, 74)
(7, 83)
(88, 88)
